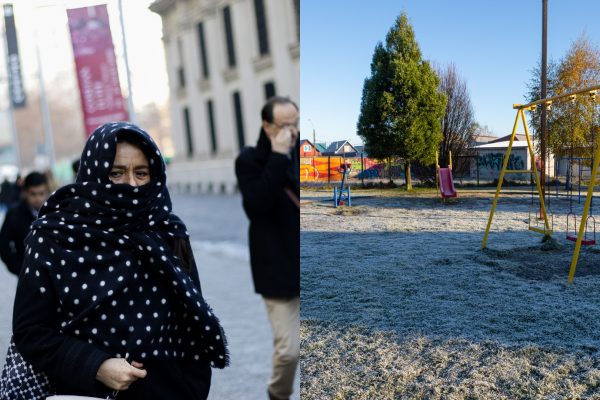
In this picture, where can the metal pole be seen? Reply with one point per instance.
(314, 144)
(15, 136)
(556, 172)
(132, 118)
(437, 168)
(362, 167)
(551, 100)
(477, 164)
(314, 138)
(538, 182)
(329, 170)
(46, 122)
(11, 115)
(579, 181)
(586, 209)
(11, 118)
(501, 179)
(544, 79)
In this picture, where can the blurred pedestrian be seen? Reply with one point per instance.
(268, 178)
(109, 297)
(17, 189)
(5, 194)
(10, 192)
(18, 220)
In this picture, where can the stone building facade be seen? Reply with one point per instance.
(224, 59)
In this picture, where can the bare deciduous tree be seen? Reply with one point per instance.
(458, 125)
(66, 119)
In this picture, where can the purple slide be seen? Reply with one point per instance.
(447, 188)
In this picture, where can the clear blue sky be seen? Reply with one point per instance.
(494, 45)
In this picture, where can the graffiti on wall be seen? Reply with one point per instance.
(320, 168)
(328, 168)
(494, 161)
(489, 165)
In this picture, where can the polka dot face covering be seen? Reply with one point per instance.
(100, 251)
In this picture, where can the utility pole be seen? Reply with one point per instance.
(132, 117)
(544, 122)
(314, 139)
(11, 115)
(46, 121)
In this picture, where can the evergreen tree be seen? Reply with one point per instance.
(401, 108)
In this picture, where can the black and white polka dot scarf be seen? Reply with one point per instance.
(101, 249)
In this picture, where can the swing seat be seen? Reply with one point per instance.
(584, 242)
(541, 230)
(571, 236)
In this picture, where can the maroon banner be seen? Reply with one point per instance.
(101, 98)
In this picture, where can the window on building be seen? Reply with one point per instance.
(181, 77)
(306, 148)
(239, 122)
(180, 71)
(229, 37)
(188, 132)
(202, 45)
(261, 27)
(211, 126)
(269, 90)
(297, 12)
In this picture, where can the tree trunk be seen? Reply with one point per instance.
(407, 175)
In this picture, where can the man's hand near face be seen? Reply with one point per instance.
(283, 141)
(283, 130)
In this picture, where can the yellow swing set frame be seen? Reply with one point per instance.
(546, 230)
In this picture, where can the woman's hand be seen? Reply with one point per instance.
(118, 374)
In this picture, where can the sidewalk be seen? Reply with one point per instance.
(218, 230)
(8, 286)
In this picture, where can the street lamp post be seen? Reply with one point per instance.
(46, 121)
(10, 111)
(132, 117)
(314, 139)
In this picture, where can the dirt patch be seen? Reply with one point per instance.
(348, 211)
(542, 263)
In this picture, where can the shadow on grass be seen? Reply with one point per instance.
(537, 264)
(406, 202)
(441, 284)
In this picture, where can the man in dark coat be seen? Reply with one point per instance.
(18, 219)
(268, 178)
(9, 194)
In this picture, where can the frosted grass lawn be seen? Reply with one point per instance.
(399, 301)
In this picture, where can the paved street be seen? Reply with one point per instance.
(218, 228)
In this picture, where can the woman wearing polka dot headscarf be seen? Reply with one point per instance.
(109, 296)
